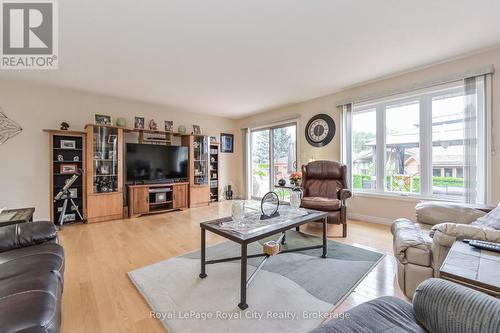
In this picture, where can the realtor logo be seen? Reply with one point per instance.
(29, 34)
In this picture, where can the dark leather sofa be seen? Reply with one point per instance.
(325, 188)
(31, 278)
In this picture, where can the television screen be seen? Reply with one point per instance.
(155, 163)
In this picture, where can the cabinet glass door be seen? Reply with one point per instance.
(105, 155)
(201, 160)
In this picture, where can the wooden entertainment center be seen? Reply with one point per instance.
(103, 182)
(156, 198)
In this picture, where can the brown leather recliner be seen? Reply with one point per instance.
(325, 188)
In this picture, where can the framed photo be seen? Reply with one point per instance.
(73, 193)
(112, 138)
(104, 169)
(68, 144)
(70, 217)
(103, 119)
(139, 122)
(169, 126)
(226, 143)
(196, 129)
(69, 168)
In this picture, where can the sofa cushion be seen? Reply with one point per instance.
(320, 203)
(490, 220)
(434, 212)
(32, 305)
(382, 315)
(32, 259)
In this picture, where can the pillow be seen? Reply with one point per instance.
(490, 220)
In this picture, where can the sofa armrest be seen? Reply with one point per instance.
(441, 306)
(344, 194)
(26, 234)
(435, 212)
(446, 233)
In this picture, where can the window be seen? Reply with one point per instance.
(273, 158)
(364, 130)
(430, 142)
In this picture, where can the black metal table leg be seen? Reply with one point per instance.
(283, 239)
(243, 295)
(325, 244)
(203, 273)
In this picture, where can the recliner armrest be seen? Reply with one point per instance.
(441, 306)
(344, 194)
(26, 234)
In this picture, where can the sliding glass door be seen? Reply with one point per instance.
(273, 157)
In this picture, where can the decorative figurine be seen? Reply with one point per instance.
(153, 125)
(64, 126)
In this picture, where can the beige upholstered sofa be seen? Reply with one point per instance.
(420, 248)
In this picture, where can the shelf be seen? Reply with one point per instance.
(160, 203)
(68, 149)
(64, 174)
(105, 176)
(105, 160)
(69, 161)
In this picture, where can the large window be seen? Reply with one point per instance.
(273, 157)
(427, 143)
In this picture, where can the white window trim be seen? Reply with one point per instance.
(424, 96)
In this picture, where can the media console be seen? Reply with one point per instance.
(157, 198)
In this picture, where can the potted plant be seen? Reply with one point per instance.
(295, 178)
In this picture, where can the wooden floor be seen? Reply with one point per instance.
(98, 296)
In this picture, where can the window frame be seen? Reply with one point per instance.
(425, 98)
(270, 128)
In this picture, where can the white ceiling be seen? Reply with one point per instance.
(235, 57)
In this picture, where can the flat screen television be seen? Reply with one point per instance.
(155, 163)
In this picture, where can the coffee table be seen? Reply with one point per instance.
(474, 268)
(288, 219)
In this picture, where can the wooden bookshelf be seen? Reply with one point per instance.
(58, 156)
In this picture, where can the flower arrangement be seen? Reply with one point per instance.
(295, 178)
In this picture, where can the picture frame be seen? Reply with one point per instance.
(103, 119)
(169, 126)
(68, 168)
(73, 194)
(104, 169)
(139, 122)
(68, 144)
(226, 143)
(112, 138)
(196, 129)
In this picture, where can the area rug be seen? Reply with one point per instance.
(294, 292)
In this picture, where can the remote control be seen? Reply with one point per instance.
(495, 247)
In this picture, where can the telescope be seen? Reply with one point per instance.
(66, 195)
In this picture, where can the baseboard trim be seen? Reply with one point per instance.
(371, 219)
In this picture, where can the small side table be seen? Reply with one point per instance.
(13, 216)
(474, 268)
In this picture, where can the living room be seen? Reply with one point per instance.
(249, 166)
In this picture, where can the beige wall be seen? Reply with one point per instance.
(24, 166)
(382, 209)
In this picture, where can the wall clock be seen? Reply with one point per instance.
(320, 130)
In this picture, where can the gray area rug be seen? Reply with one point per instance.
(293, 292)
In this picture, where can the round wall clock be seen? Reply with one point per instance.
(320, 130)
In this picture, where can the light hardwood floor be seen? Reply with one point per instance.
(99, 297)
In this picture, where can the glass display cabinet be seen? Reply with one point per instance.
(201, 159)
(105, 159)
(104, 168)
